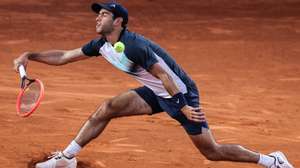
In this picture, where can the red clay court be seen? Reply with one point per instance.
(244, 57)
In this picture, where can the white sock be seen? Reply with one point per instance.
(265, 160)
(72, 150)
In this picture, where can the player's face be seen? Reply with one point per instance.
(104, 22)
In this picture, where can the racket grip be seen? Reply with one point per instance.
(22, 71)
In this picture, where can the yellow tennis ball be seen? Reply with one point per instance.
(119, 46)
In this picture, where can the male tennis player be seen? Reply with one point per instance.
(166, 88)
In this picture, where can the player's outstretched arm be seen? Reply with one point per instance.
(52, 57)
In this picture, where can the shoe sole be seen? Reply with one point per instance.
(72, 165)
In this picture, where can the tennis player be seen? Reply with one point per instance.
(166, 87)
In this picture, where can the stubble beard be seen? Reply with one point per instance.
(106, 30)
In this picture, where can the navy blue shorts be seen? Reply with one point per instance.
(159, 104)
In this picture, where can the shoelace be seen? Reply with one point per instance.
(55, 154)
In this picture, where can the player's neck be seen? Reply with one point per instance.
(113, 37)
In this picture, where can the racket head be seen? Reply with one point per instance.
(29, 97)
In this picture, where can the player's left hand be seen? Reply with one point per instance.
(193, 114)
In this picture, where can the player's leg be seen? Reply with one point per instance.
(205, 142)
(207, 145)
(126, 104)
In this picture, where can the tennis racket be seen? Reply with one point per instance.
(30, 95)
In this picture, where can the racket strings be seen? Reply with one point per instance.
(30, 97)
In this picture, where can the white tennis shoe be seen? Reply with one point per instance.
(280, 160)
(58, 160)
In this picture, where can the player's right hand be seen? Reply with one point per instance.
(21, 60)
(193, 114)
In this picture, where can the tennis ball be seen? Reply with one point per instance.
(119, 47)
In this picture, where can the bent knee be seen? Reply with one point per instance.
(213, 156)
(212, 153)
(104, 112)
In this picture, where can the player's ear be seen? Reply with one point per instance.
(118, 21)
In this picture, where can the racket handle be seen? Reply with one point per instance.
(22, 71)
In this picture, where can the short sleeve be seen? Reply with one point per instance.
(92, 48)
(145, 57)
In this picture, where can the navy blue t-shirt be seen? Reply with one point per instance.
(139, 55)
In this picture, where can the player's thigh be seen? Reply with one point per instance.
(127, 104)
